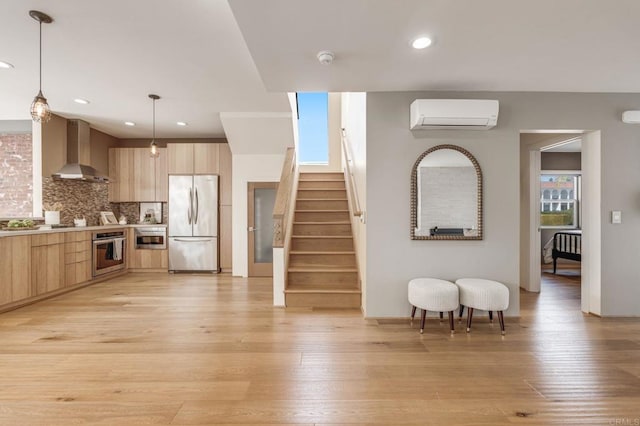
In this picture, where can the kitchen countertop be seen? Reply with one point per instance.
(44, 229)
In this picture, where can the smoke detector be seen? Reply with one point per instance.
(325, 57)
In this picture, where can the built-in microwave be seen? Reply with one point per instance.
(151, 237)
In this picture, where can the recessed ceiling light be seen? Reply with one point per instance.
(5, 65)
(81, 101)
(421, 42)
(181, 123)
(129, 123)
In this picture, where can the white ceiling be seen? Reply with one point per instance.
(114, 53)
(195, 56)
(488, 45)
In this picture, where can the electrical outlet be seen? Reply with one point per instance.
(616, 216)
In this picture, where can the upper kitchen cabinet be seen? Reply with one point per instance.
(193, 158)
(136, 176)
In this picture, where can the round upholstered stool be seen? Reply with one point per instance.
(477, 293)
(431, 294)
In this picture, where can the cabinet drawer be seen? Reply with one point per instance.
(72, 237)
(46, 239)
(77, 247)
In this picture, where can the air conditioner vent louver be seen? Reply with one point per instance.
(466, 114)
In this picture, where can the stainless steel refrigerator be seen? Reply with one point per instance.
(193, 223)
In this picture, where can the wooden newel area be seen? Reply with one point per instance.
(283, 196)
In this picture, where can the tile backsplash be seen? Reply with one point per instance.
(78, 199)
(86, 199)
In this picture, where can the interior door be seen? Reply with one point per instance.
(261, 200)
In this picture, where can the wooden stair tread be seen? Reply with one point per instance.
(316, 268)
(323, 211)
(322, 236)
(323, 290)
(321, 199)
(321, 180)
(321, 252)
(337, 222)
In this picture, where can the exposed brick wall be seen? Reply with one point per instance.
(16, 175)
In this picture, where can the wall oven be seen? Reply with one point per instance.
(151, 237)
(109, 251)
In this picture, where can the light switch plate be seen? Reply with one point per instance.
(616, 216)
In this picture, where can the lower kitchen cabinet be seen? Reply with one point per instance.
(15, 264)
(47, 263)
(141, 259)
(77, 257)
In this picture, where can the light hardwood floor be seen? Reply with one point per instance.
(165, 349)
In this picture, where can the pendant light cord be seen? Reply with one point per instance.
(154, 121)
(41, 56)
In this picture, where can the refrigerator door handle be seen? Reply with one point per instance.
(193, 240)
(190, 205)
(197, 207)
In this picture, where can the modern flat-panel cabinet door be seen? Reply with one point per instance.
(162, 176)
(144, 175)
(180, 158)
(47, 263)
(15, 264)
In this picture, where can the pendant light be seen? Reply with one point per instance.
(40, 111)
(154, 146)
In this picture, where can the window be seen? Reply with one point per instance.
(17, 156)
(559, 200)
(313, 128)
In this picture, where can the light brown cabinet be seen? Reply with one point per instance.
(77, 257)
(193, 158)
(145, 259)
(136, 176)
(15, 266)
(47, 263)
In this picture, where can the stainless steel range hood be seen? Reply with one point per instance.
(79, 154)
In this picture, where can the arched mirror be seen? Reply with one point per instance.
(446, 195)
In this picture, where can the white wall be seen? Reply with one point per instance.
(354, 121)
(248, 168)
(393, 258)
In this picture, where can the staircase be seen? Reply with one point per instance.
(322, 270)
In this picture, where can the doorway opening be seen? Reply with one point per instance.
(560, 215)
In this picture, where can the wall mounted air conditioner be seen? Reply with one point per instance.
(466, 114)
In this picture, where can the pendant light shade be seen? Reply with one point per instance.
(40, 111)
(153, 147)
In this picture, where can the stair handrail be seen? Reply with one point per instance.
(352, 187)
(283, 198)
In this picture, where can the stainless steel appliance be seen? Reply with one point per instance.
(193, 223)
(151, 237)
(109, 251)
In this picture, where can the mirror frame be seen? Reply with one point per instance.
(414, 196)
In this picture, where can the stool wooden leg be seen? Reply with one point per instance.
(490, 316)
(451, 322)
(441, 316)
(424, 317)
(469, 316)
(461, 312)
(413, 313)
(501, 319)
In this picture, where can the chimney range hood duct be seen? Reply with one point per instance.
(78, 148)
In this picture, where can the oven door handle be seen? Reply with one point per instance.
(108, 240)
